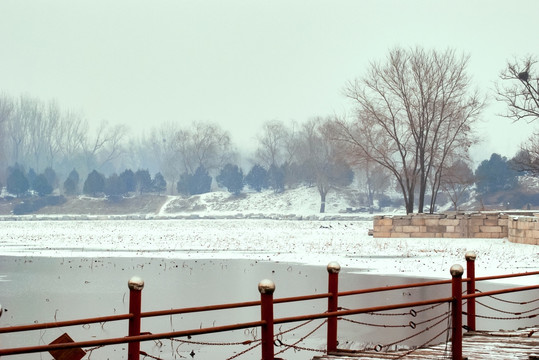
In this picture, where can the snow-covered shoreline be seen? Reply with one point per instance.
(312, 242)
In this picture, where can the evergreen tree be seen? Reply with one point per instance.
(129, 180)
(74, 175)
(114, 186)
(31, 176)
(94, 184)
(198, 183)
(494, 175)
(257, 178)
(41, 185)
(17, 183)
(51, 177)
(71, 185)
(201, 181)
(231, 177)
(143, 181)
(159, 184)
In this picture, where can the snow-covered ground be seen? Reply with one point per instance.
(310, 242)
(225, 226)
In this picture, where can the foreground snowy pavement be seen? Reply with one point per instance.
(309, 242)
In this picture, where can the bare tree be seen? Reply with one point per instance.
(374, 179)
(204, 144)
(520, 89)
(318, 153)
(413, 111)
(458, 179)
(527, 159)
(51, 134)
(105, 146)
(271, 144)
(7, 108)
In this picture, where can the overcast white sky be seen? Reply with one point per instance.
(241, 63)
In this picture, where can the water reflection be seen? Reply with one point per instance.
(56, 289)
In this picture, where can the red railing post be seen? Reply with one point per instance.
(266, 288)
(135, 285)
(456, 290)
(333, 304)
(470, 289)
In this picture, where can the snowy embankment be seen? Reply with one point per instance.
(309, 242)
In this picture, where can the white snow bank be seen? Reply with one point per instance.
(309, 242)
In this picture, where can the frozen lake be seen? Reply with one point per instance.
(53, 271)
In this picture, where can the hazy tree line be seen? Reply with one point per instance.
(411, 129)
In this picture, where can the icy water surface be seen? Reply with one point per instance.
(44, 289)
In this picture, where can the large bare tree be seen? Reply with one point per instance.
(413, 111)
(519, 89)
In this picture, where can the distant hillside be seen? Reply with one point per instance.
(300, 201)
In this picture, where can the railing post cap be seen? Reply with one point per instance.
(456, 270)
(470, 256)
(135, 283)
(266, 286)
(334, 267)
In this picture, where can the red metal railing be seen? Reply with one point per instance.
(267, 322)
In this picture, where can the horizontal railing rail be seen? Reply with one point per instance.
(268, 320)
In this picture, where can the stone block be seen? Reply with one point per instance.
(490, 229)
(423, 235)
(382, 228)
(384, 221)
(451, 235)
(432, 222)
(411, 229)
(418, 220)
(451, 222)
(402, 222)
(399, 235)
(476, 221)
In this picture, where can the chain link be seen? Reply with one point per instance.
(507, 312)
(509, 301)
(295, 345)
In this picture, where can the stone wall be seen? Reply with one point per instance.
(524, 230)
(459, 225)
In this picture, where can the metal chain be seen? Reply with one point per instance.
(295, 345)
(502, 318)
(425, 344)
(507, 312)
(411, 324)
(89, 352)
(509, 301)
(209, 343)
(145, 354)
(414, 335)
(294, 328)
(244, 351)
(411, 312)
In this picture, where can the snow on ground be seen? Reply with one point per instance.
(224, 229)
(310, 242)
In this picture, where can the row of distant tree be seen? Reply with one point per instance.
(231, 177)
(492, 176)
(411, 125)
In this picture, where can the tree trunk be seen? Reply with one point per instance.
(323, 194)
